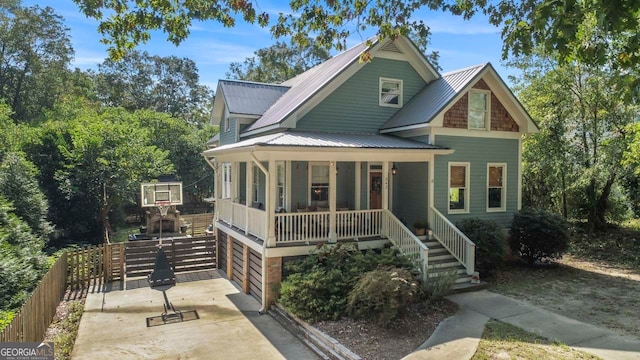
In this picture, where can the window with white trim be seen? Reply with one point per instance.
(281, 184)
(227, 126)
(319, 189)
(226, 181)
(479, 109)
(496, 187)
(390, 93)
(255, 188)
(458, 188)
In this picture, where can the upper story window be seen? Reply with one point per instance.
(227, 126)
(479, 109)
(390, 92)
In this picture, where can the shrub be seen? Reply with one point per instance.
(318, 286)
(490, 243)
(439, 284)
(383, 295)
(538, 235)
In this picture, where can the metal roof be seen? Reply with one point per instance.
(308, 83)
(251, 98)
(329, 140)
(434, 97)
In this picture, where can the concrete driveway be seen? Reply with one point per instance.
(113, 325)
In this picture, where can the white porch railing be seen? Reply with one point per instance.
(353, 224)
(302, 227)
(239, 215)
(225, 210)
(458, 244)
(256, 222)
(402, 238)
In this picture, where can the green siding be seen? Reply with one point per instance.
(298, 185)
(478, 152)
(353, 107)
(228, 137)
(243, 181)
(411, 192)
(345, 192)
(364, 184)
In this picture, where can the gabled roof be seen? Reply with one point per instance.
(328, 140)
(307, 84)
(431, 100)
(250, 98)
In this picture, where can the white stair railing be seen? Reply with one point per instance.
(402, 238)
(454, 240)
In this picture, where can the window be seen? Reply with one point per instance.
(226, 181)
(256, 183)
(496, 187)
(478, 118)
(319, 190)
(281, 187)
(390, 92)
(458, 188)
(227, 126)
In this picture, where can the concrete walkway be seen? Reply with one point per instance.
(113, 325)
(458, 336)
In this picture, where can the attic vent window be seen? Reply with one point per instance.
(390, 93)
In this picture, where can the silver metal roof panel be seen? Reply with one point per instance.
(251, 98)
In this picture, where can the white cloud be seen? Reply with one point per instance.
(209, 52)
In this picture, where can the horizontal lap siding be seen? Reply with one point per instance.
(237, 262)
(255, 275)
(478, 152)
(411, 192)
(354, 106)
(222, 257)
(228, 137)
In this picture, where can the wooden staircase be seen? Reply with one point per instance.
(441, 260)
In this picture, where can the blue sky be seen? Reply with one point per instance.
(213, 47)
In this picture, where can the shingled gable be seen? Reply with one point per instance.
(310, 83)
(438, 95)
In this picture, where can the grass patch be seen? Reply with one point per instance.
(122, 234)
(504, 341)
(619, 245)
(67, 331)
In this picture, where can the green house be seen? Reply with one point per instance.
(354, 151)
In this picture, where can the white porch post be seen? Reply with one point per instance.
(358, 184)
(217, 186)
(270, 199)
(333, 237)
(385, 185)
(234, 186)
(431, 185)
(249, 192)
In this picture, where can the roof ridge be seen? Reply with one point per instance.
(465, 69)
(253, 82)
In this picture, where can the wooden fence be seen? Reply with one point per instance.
(198, 223)
(75, 269)
(186, 254)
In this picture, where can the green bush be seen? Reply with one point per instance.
(319, 285)
(383, 295)
(490, 244)
(538, 235)
(439, 284)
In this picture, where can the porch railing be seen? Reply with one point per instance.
(358, 223)
(454, 240)
(225, 210)
(239, 215)
(302, 227)
(256, 222)
(402, 238)
(235, 214)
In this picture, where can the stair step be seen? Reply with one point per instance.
(459, 272)
(433, 244)
(438, 250)
(442, 256)
(443, 264)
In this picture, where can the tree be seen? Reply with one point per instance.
(278, 63)
(573, 29)
(19, 185)
(574, 164)
(163, 84)
(35, 51)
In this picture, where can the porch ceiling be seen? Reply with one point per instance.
(297, 145)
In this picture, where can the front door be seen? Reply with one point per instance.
(375, 190)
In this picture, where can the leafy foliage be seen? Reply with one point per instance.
(538, 235)
(383, 295)
(278, 63)
(490, 243)
(439, 284)
(319, 285)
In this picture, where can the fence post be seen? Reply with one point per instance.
(173, 255)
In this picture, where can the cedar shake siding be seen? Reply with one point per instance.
(456, 116)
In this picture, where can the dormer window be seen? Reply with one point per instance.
(390, 92)
(479, 109)
(226, 124)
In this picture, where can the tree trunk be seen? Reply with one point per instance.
(597, 220)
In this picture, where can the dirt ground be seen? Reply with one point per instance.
(584, 290)
(371, 341)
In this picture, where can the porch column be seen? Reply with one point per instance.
(270, 206)
(217, 188)
(249, 192)
(358, 184)
(332, 202)
(234, 187)
(385, 185)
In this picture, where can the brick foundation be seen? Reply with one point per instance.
(273, 280)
